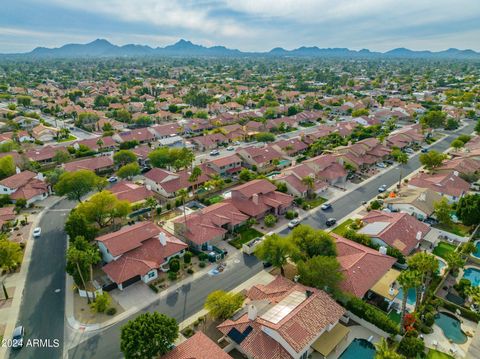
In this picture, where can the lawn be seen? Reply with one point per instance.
(69, 138)
(315, 202)
(455, 228)
(393, 315)
(435, 354)
(342, 227)
(245, 235)
(443, 249)
(215, 199)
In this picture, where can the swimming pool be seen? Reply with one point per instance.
(477, 252)
(473, 275)
(450, 326)
(359, 349)
(411, 297)
(441, 265)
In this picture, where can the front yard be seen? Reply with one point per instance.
(313, 203)
(443, 249)
(244, 235)
(342, 227)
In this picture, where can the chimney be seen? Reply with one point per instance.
(382, 250)
(252, 312)
(419, 235)
(162, 238)
(255, 198)
(17, 170)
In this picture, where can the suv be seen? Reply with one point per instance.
(330, 222)
(214, 153)
(382, 188)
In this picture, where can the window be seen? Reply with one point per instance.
(151, 274)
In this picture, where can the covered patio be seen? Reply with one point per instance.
(330, 341)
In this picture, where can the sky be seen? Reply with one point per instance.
(248, 25)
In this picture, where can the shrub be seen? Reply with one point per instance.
(202, 264)
(172, 275)
(101, 303)
(178, 202)
(190, 271)
(202, 256)
(466, 313)
(159, 210)
(462, 286)
(187, 257)
(188, 332)
(429, 319)
(291, 214)
(153, 287)
(111, 311)
(196, 323)
(372, 315)
(169, 206)
(174, 265)
(411, 346)
(375, 205)
(270, 220)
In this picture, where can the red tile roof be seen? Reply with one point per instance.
(446, 183)
(199, 346)
(131, 192)
(18, 180)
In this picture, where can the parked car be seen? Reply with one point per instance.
(293, 223)
(382, 188)
(388, 162)
(112, 179)
(381, 165)
(17, 337)
(37, 232)
(230, 148)
(330, 222)
(326, 206)
(424, 150)
(409, 150)
(267, 264)
(431, 221)
(214, 153)
(145, 169)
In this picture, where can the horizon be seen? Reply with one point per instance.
(249, 26)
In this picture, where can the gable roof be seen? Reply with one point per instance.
(446, 183)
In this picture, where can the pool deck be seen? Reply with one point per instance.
(444, 344)
(356, 331)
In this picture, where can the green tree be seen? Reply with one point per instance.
(434, 119)
(129, 170)
(7, 167)
(385, 351)
(309, 181)
(457, 144)
(194, 176)
(312, 242)
(24, 100)
(222, 305)
(10, 253)
(77, 225)
(426, 265)
(411, 346)
(101, 303)
(477, 128)
(77, 184)
(123, 157)
(402, 159)
(246, 175)
(443, 211)
(454, 261)
(265, 137)
(270, 220)
(432, 159)
(360, 112)
(149, 335)
(61, 157)
(276, 250)
(320, 272)
(151, 202)
(103, 208)
(407, 279)
(468, 209)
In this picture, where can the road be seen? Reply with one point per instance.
(42, 310)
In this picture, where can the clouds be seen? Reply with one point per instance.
(249, 24)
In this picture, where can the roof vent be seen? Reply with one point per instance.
(162, 238)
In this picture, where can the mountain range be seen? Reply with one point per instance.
(183, 48)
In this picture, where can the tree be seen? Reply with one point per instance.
(442, 211)
(24, 100)
(411, 346)
(427, 265)
(402, 159)
(309, 181)
(312, 242)
(151, 202)
(148, 335)
(77, 184)
(77, 225)
(222, 305)
(53, 176)
(129, 170)
(265, 137)
(194, 176)
(7, 167)
(384, 351)
(246, 175)
(477, 128)
(468, 209)
(123, 157)
(434, 119)
(10, 253)
(457, 144)
(292, 110)
(360, 112)
(101, 303)
(451, 124)
(270, 220)
(454, 261)
(432, 159)
(61, 157)
(407, 279)
(103, 207)
(275, 250)
(320, 272)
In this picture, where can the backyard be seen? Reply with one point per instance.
(244, 235)
(456, 228)
(443, 249)
(435, 354)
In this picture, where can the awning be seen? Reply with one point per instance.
(329, 340)
(384, 285)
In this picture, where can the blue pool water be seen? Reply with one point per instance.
(411, 298)
(477, 252)
(441, 265)
(450, 327)
(473, 275)
(359, 349)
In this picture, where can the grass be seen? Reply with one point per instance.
(443, 249)
(393, 315)
(435, 354)
(69, 138)
(315, 202)
(215, 199)
(455, 228)
(342, 227)
(245, 234)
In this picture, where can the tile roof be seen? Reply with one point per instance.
(18, 180)
(92, 164)
(446, 183)
(131, 192)
(199, 346)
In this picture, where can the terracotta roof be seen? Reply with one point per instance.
(92, 142)
(18, 180)
(139, 134)
(446, 183)
(93, 164)
(225, 161)
(199, 346)
(131, 192)
(258, 186)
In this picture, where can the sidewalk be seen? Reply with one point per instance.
(9, 315)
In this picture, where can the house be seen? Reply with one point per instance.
(7, 215)
(25, 185)
(322, 131)
(328, 168)
(397, 230)
(364, 153)
(406, 136)
(361, 266)
(142, 152)
(264, 158)
(168, 183)
(464, 166)
(141, 135)
(166, 130)
(97, 164)
(448, 184)
(258, 198)
(290, 147)
(227, 165)
(293, 178)
(209, 225)
(198, 346)
(209, 141)
(45, 154)
(285, 320)
(138, 252)
(416, 201)
(234, 132)
(97, 144)
(44, 134)
(131, 192)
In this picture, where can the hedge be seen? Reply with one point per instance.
(372, 315)
(466, 313)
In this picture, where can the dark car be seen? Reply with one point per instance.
(431, 221)
(330, 222)
(17, 337)
(424, 150)
(146, 169)
(267, 264)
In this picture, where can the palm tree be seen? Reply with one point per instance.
(407, 279)
(196, 173)
(183, 194)
(402, 159)
(309, 182)
(454, 261)
(427, 265)
(384, 351)
(151, 202)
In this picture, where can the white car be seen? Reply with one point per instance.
(37, 232)
(231, 148)
(382, 188)
(293, 223)
(113, 179)
(214, 153)
(381, 165)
